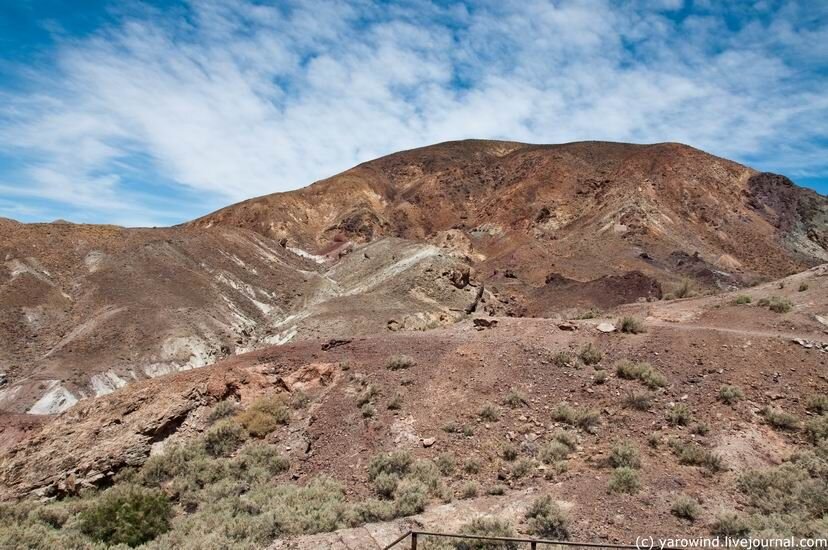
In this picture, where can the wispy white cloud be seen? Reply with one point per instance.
(228, 100)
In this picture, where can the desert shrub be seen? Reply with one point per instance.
(590, 355)
(455, 428)
(472, 466)
(684, 289)
(640, 401)
(644, 372)
(367, 395)
(817, 430)
(564, 359)
(522, 468)
(258, 461)
(742, 299)
(586, 419)
(700, 428)
(470, 489)
(776, 304)
(693, 454)
(624, 480)
(600, 377)
(653, 440)
(686, 507)
(553, 451)
(410, 498)
(396, 462)
(509, 452)
(730, 394)
(496, 490)
(427, 473)
(567, 438)
(817, 403)
(591, 313)
(445, 463)
(223, 438)
(679, 415)
(780, 419)
(489, 413)
(625, 455)
(127, 514)
(803, 287)
(372, 510)
(265, 415)
(395, 403)
(299, 399)
(515, 399)
(368, 410)
(399, 362)
(631, 325)
(729, 524)
(486, 527)
(546, 519)
(385, 484)
(222, 409)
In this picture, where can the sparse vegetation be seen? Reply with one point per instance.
(599, 377)
(265, 415)
(546, 519)
(395, 403)
(472, 466)
(640, 401)
(817, 430)
(817, 403)
(522, 467)
(586, 419)
(564, 359)
(397, 462)
(299, 400)
(679, 415)
(553, 451)
(631, 325)
(399, 362)
(222, 409)
(729, 524)
(489, 413)
(224, 438)
(730, 394)
(368, 410)
(625, 455)
(367, 395)
(643, 372)
(624, 480)
(803, 287)
(127, 514)
(742, 299)
(486, 527)
(693, 454)
(684, 290)
(509, 452)
(514, 399)
(470, 489)
(590, 355)
(686, 507)
(496, 490)
(776, 304)
(780, 419)
(446, 463)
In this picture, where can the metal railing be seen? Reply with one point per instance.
(417, 536)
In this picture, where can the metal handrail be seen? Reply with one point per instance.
(531, 541)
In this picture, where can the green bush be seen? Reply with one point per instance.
(686, 507)
(776, 304)
(590, 355)
(679, 415)
(631, 325)
(470, 489)
(399, 362)
(410, 498)
(223, 438)
(693, 454)
(730, 394)
(742, 299)
(522, 468)
(128, 515)
(624, 480)
(486, 527)
(265, 415)
(509, 452)
(546, 519)
(222, 409)
(446, 464)
(644, 372)
(817, 430)
(385, 485)
(600, 377)
(640, 401)
(489, 413)
(586, 419)
(396, 462)
(514, 399)
(780, 419)
(817, 403)
(625, 454)
(553, 451)
(258, 461)
(729, 524)
(564, 359)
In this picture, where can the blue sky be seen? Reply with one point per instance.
(152, 113)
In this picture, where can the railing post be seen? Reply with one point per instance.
(413, 541)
